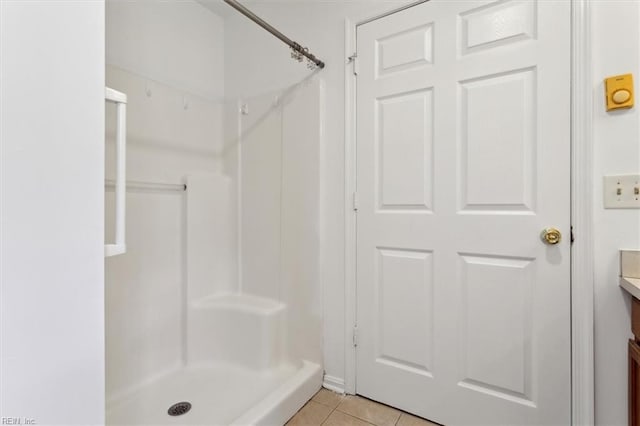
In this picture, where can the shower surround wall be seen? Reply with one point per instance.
(279, 174)
(164, 56)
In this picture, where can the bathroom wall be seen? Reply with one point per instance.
(616, 49)
(279, 142)
(177, 43)
(301, 231)
(260, 195)
(167, 57)
(616, 151)
(51, 212)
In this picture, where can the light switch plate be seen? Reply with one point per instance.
(622, 192)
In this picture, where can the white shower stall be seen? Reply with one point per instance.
(217, 300)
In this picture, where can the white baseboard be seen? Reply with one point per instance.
(332, 383)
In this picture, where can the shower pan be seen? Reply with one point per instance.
(214, 310)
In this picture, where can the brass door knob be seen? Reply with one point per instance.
(551, 236)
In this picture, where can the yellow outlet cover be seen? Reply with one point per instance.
(619, 91)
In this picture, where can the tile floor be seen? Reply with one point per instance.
(328, 408)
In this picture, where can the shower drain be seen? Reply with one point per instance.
(179, 409)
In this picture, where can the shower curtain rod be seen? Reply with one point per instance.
(298, 50)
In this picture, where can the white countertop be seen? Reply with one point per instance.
(632, 285)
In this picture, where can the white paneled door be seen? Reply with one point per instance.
(463, 154)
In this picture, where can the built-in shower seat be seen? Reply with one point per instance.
(237, 329)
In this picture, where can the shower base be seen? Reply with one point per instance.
(220, 395)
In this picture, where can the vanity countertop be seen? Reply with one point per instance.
(632, 285)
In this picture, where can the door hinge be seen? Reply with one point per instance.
(573, 237)
(355, 336)
(354, 59)
(356, 205)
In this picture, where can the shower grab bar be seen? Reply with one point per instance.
(148, 186)
(120, 99)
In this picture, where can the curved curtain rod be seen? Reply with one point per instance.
(298, 50)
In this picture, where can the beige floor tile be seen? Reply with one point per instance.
(328, 398)
(341, 419)
(409, 420)
(312, 414)
(362, 408)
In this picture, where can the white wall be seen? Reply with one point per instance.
(260, 194)
(51, 210)
(300, 286)
(280, 141)
(167, 57)
(166, 54)
(616, 50)
(178, 43)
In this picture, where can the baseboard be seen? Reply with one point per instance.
(332, 383)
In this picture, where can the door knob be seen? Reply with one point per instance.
(551, 236)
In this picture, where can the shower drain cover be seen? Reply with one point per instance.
(179, 409)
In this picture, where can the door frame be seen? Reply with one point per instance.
(582, 280)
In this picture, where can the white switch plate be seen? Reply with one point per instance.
(622, 192)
